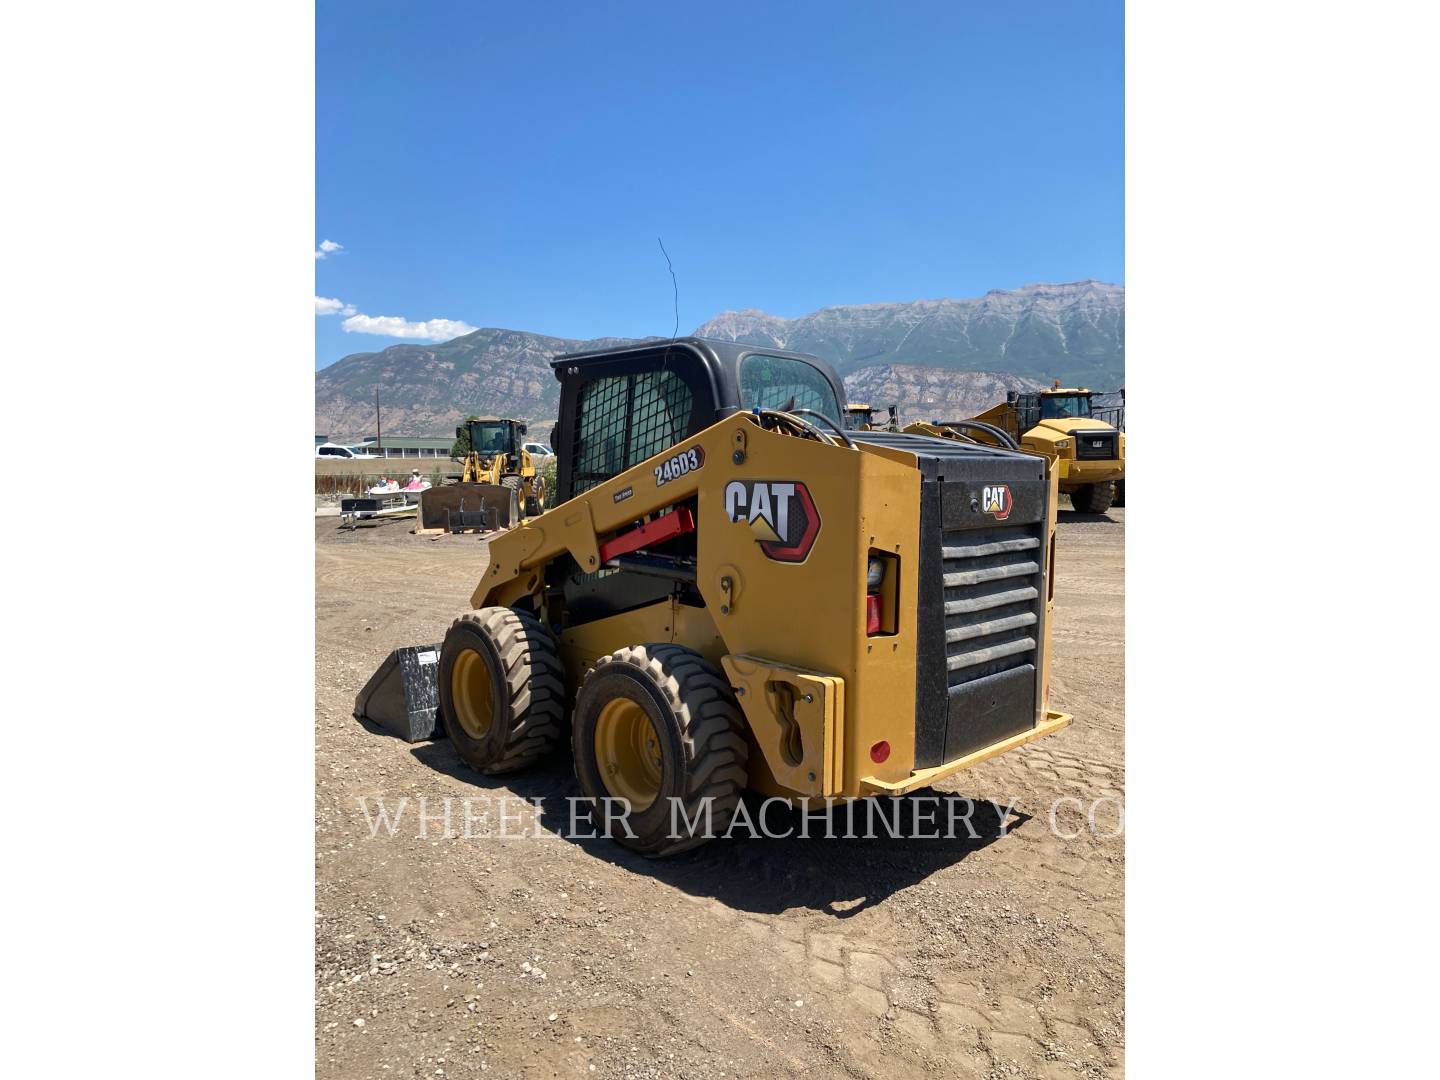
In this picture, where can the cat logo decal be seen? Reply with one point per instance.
(781, 514)
(996, 499)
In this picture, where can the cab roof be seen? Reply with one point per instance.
(704, 348)
(718, 360)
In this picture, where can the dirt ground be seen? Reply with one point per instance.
(539, 956)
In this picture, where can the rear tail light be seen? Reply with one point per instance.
(882, 586)
(880, 752)
(874, 572)
(872, 613)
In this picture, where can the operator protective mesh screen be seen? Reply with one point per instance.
(624, 419)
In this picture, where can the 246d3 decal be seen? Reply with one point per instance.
(781, 513)
(687, 461)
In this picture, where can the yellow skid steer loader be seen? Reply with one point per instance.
(734, 591)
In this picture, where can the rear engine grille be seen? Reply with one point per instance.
(1094, 445)
(992, 600)
(979, 593)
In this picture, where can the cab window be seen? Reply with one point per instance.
(769, 382)
(1064, 407)
(490, 438)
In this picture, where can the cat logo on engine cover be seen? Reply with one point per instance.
(996, 499)
(781, 513)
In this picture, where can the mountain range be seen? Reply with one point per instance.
(929, 393)
(929, 356)
(1074, 332)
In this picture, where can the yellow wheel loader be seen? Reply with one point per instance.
(499, 487)
(860, 417)
(735, 592)
(1088, 455)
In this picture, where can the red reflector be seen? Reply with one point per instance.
(872, 613)
(880, 752)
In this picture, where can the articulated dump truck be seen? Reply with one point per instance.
(734, 591)
(1088, 455)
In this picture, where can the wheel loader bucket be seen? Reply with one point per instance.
(403, 696)
(457, 507)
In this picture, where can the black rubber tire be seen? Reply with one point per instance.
(1119, 499)
(528, 682)
(1093, 498)
(535, 504)
(702, 742)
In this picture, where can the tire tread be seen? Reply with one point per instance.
(1094, 498)
(712, 727)
(534, 685)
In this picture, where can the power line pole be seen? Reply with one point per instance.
(377, 418)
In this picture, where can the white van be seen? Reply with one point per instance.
(347, 453)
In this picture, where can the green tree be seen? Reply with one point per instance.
(462, 445)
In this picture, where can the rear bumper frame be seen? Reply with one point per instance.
(1054, 721)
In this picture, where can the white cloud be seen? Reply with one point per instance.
(391, 325)
(394, 326)
(325, 305)
(327, 247)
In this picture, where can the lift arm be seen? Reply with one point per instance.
(580, 525)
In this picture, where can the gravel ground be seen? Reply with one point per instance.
(538, 956)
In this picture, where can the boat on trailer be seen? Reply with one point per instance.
(382, 500)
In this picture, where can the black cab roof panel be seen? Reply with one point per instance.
(720, 360)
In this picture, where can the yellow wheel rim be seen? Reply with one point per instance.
(472, 693)
(627, 747)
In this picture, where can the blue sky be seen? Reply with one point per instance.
(511, 165)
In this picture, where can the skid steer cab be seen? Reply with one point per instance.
(500, 485)
(735, 591)
(1088, 454)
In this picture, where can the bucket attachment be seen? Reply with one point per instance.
(403, 696)
(457, 507)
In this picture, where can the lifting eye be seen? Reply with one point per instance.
(792, 745)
